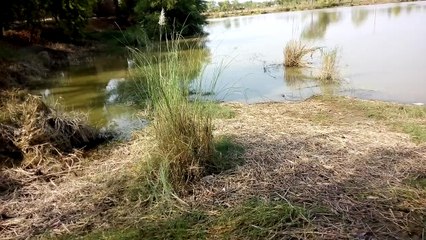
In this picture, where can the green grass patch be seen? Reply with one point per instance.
(401, 118)
(126, 234)
(219, 111)
(252, 219)
(260, 219)
(417, 182)
(228, 155)
(190, 225)
(416, 131)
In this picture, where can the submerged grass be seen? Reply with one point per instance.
(329, 72)
(295, 52)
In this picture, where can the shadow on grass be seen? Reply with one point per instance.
(228, 155)
(254, 218)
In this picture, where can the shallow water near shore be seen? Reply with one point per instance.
(381, 56)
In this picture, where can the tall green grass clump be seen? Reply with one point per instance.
(295, 52)
(329, 72)
(181, 125)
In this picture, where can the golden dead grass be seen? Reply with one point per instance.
(295, 52)
(42, 134)
(86, 196)
(353, 175)
(350, 173)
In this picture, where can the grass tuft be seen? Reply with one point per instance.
(329, 72)
(181, 127)
(295, 52)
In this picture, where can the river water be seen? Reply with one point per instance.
(381, 52)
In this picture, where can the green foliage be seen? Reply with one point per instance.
(228, 155)
(183, 17)
(69, 15)
(261, 219)
(181, 127)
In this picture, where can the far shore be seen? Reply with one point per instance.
(305, 5)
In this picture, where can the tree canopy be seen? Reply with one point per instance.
(70, 16)
(183, 16)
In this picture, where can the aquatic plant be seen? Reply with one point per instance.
(294, 53)
(329, 72)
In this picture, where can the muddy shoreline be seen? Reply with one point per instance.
(32, 65)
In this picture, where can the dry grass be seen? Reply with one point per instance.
(349, 177)
(329, 72)
(350, 174)
(41, 134)
(295, 52)
(88, 195)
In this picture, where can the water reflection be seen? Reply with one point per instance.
(320, 21)
(297, 78)
(387, 70)
(95, 88)
(394, 11)
(359, 16)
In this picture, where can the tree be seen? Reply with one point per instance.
(183, 16)
(68, 15)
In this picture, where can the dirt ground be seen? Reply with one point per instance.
(358, 177)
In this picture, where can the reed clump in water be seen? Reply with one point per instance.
(295, 52)
(39, 134)
(329, 72)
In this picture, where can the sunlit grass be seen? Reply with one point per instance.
(295, 53)
(402, 118)
(181, 125)
(253, 218)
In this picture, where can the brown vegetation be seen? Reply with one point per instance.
(295, 52)
(40, 133)
(332, 168)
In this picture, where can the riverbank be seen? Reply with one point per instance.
(27, 65)
(325, 168)
(293, 6)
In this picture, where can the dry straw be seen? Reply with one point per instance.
(295, 52)
(40, 133)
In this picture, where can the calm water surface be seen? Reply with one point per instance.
(382, 51)
(92, 88)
